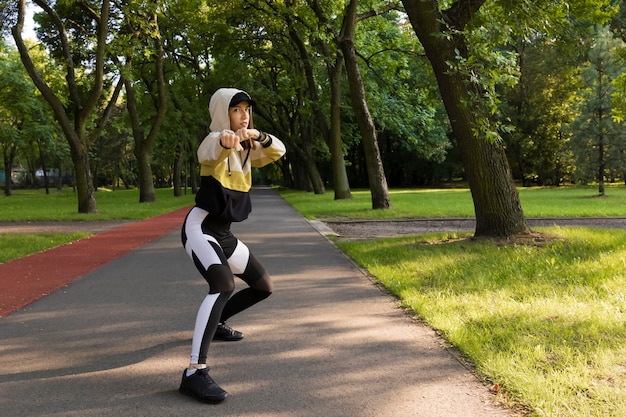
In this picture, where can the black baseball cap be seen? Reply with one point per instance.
(239, 97)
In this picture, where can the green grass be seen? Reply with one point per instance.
(62, 205)
(13, 246)
(546, 322)
(457, 202)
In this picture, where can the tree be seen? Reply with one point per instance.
(541, 106)
(14, 94)
(442, 34)
(142, 25)
(375, 170)
(468, 72)
(333, 62)
(412, 130)
(253, 42)
(595, 132)
(188, 60)
(84, 89)
(26, 125)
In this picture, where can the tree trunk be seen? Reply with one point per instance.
(335, 144)
(313, 174)
(309, 178)
(9, 157)
(142, 148)
(143, 144)
(496, 199)
(341, 184)
(178, 170)
(84, 181)
(601, 160)
(375, 170)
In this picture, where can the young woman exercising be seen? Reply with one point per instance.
(226, 157)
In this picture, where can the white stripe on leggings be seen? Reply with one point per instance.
(201, 322)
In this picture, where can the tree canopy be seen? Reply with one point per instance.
(364, 93)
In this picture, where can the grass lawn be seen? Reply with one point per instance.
(442, 203)
(13, 246)
(62, 205)
(546, 322)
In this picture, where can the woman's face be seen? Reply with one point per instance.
(239, 115)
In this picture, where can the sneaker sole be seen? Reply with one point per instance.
(227, 339)
(202, 399)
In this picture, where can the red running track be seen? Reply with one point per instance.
(27, 279)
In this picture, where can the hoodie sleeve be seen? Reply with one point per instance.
(261, 156)
(211, 150)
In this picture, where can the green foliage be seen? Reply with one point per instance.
(599, 141)
(490, 64)
(405, 103)
(29, 137)
(619, 99)
(541, 107)
(256, 45)
(618, 26)
(488, 67)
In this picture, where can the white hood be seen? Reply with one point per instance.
(218, 108)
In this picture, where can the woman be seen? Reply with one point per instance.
(226, 156)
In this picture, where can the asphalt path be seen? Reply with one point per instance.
(327, 343)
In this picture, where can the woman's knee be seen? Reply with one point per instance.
(220, 279)
(264, 284)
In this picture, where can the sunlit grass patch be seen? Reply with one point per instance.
(546, 322)
(14, 246)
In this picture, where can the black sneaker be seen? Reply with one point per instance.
(224, 332)
(202, 387)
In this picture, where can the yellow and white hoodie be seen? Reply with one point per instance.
(225, 173)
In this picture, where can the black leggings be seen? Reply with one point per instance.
(219, 256)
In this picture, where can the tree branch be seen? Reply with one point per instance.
(383, 10)
(65, 47)
(461, 13)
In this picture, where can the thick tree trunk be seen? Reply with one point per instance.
(84, 181)
(496, 200)
(375, 170)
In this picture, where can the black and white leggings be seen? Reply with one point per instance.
(219, 256)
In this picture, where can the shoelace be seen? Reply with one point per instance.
(227, 329)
